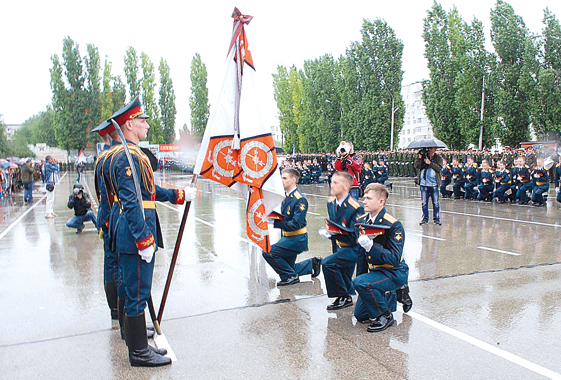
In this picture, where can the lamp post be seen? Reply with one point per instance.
(394, 110)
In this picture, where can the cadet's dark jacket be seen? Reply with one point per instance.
(80, 206)
(348, 248)
(386, 254)
(293, 226)
(435, 164)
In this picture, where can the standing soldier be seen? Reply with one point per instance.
(557, 178)
(294, 240)
(136, 236)
(515, 182)
(388, 273)
(530, 156)
(508, 158)
(338, 268)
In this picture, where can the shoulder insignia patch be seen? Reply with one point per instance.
(302, 206)
(363, 216)
(398, 236)
(354, 203)
(297, 195)
(128, 171)
(390, 218)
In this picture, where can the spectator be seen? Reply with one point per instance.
(51, 174)
(430, 165)
(80, 202)
(27, 173)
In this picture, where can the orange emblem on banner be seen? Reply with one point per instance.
(258, 160)
(221, 161)
(257, 225)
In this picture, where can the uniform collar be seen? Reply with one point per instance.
(343, 199)
(289, 193)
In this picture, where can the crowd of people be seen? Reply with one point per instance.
(18, 175)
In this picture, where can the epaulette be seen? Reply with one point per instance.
(526, 166)
(331, 199)
(460, 166)
(297, 195)
(390, 218)
(354, 203)
(475, 164)
(363, 216)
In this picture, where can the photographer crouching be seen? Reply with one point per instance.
(80, 202)
(430, 165)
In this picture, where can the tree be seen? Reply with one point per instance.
(546, 118)
(93, 89)
(198, 100)
(167, 102)
(107, 94)
(155, 133)
(119, 93)
(69, 104)
(516, 57)
(131, 72)
(41, 127)
(20, 140)
(283, 97)
(4, 147)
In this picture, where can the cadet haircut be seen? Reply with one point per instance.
(347, 176)
(291, 172)
(378, 189)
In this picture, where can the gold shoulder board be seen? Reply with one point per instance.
(297, 194)
(390, 218)
(354, 203)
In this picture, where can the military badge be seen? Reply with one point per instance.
(398, 236)
(128, 171)
(302, 207)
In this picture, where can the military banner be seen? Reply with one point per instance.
(237, 149)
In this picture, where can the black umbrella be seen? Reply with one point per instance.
(427, 143)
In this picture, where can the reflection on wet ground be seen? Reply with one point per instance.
(485, 285)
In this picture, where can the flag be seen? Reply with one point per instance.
(238, 149)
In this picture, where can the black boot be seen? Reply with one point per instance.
(111, 296)
(121, 314)
(140, 355)
(404, 298)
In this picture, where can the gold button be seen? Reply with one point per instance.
(369, 257)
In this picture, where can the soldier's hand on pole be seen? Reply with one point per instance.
(190, 193)
(147, 253)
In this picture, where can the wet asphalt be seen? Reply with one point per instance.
(486, 287)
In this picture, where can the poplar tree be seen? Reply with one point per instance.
(167, 102)
(198, 100)
(155, 133)
(131, 72)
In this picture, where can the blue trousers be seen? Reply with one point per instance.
(432, 193)
(338, 274)
(78, 221)
(470, 192)
(522, 193)
(537, 193)
(443, 185)
(500, 192)
(110, 261)
(283, 261)
(484, 191)
(28, 191)
(137, 279)
(376, 295)
(458, 186)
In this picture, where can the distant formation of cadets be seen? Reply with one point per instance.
(513, 176)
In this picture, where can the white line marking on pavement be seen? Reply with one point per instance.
(204, 222)
(313, 213)
(9, 228)
(487, 347)
(500, 251)
(430, 237)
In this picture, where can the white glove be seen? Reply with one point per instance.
(190, 193)
(557, 190)
(147, 253)
(324, 234)
(365, 242)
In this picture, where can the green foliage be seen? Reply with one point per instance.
(198, 100)
(167, 102)
(93, 88)
(155, 133)
(131, 72)
(4, 147)
(18, 144)
(516, 60)
(119, 93)
(106, 95)
(70, 104)
(283, 97)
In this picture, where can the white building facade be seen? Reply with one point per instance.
(416, 124)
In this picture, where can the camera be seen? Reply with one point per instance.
(77, 191)
(424, 153)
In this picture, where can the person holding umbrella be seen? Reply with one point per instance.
(429, 165)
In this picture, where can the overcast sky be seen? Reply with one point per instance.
(281, 33)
